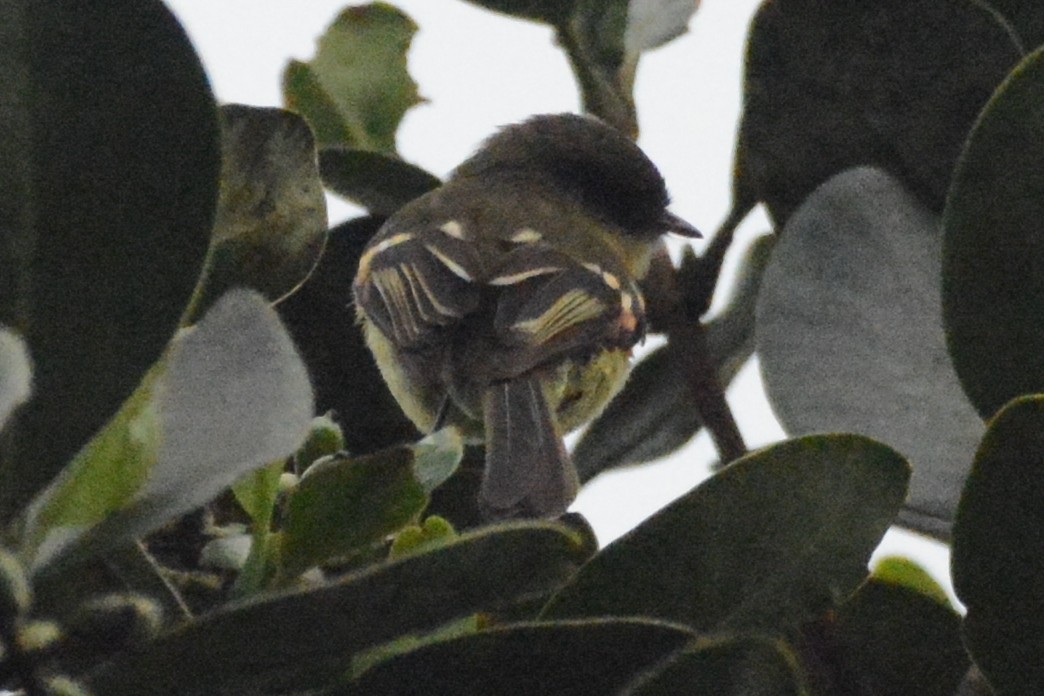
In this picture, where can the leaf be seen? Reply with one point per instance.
(271, 219)
(895, 640)
(15, 373)
(572, 658)
(723, 667)
(771, 540)
(107, 196)
(436, 457)
(345, 504)
(380, 183)
(849, 333)
(655, 413)
(1026, 17)
(257, 492)
(302, 640)
(356, 89)
(652, 23)
(903, 572)
(831, 85)
(321, 318)
(550, 11)
(229, 396)
(993, 288)
(997, 558)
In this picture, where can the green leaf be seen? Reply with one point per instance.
(256, 493)
(436, 457)
(229, 396)
(895, 640)
(1026, 18)
(655, 413)
(305, 639)
(321, 318)
(993, 290)
(107, 197)
(550, 11)
(773, 539)
(325, 437)
(271, 218)
(998, 550)
(833, 85)
(344, 504)
(903, 572)
(378, 182)
(575, 658)
(356, 89)
(724, 667)
(15, 373)
(850, 337)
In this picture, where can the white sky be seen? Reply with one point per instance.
(480, 70)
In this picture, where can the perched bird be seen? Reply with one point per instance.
(506, 302)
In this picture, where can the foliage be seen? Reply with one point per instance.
(174, 311)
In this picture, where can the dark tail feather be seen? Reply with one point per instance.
(528, 472)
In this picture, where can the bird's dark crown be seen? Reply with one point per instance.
(580, 157)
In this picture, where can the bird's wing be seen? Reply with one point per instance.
(411, 282)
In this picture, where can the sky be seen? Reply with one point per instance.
(478, 70)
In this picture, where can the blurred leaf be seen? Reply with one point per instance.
(435, 532)
(894, 84)
(655, 413)
(993, 287)
(325, 437)
(16, 373)
(271, 219)
(229, 396)
(107, 197)
(895, 641)
(1026, 18)
(321, 318)
(256, 493)
(380, 183)
(345, 504)
(573, 658)
(436, 457)
(356, 89)
(550, 11)
(652, 23)
(724, 667)
(303, 640)
(896, 570)
(998, 550)
(849, 333)
(772, 539)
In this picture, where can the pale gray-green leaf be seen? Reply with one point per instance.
(652, 23)
(15, 373)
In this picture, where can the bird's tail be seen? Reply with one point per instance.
(528, 472)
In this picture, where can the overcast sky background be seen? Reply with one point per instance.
(479, 70)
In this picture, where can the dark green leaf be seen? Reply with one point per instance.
(108, 179)
(380, 183)
(894, 641)
(305, 639)
(774, 538)
(550, 11)
(1026, 18)
(850, 337)
(655, 413)
(321, 318)
(356, 89)
(832, 85)
(993, 252)
(998, 550)
(724, 667)
(271, 219)
(344, 504)
(574, 658)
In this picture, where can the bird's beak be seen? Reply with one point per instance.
(673, 223)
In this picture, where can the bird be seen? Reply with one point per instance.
(506, 302)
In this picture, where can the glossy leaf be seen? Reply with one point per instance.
(772, 539)
(655, 413)
(230, 396)
(576, 658)
(896, 570)
(833, 85)
(271, 218)
(724, 667)
(303, 640)
(998, 550)
(321, 318)
(849, 333)
(356, 89)
(107, 196)
(380, 183)
(893, 641)
(15, 373)
(993, 288)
